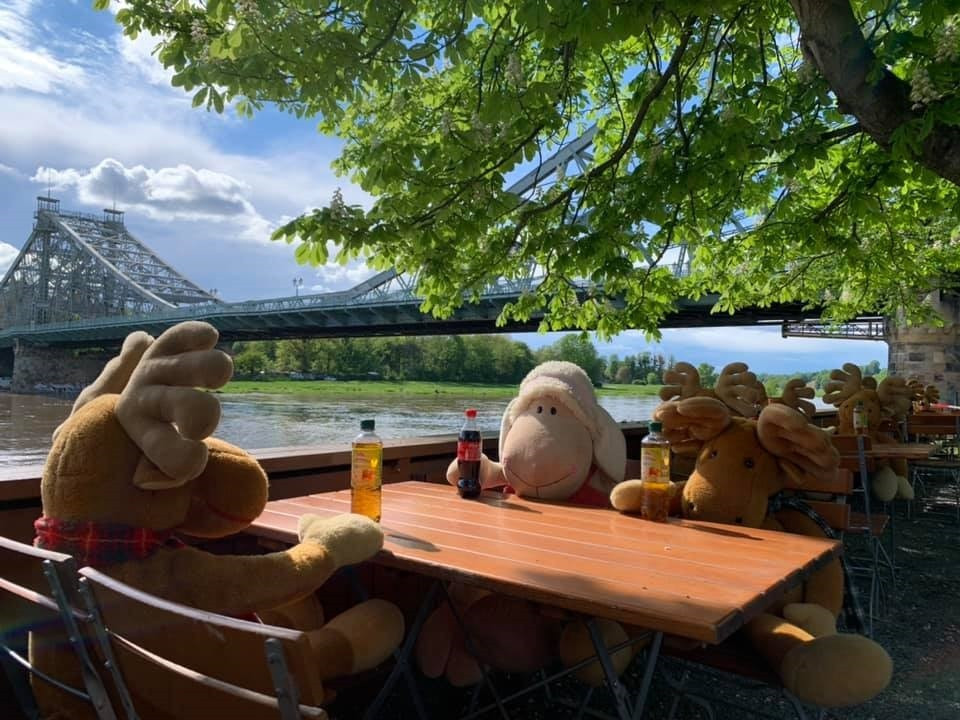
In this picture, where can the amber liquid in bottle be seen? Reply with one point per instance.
(366, 474)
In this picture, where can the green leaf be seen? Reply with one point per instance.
(200, 97)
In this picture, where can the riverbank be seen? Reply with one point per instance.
(374, 388)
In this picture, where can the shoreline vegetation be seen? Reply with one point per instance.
(332, 388)
(479, 365)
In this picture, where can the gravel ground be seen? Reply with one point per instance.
(920, 629)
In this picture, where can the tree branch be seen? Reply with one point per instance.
(832, 40)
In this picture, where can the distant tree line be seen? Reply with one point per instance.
(492, 359)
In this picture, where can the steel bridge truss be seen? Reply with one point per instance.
(865, 329)
(78, 266)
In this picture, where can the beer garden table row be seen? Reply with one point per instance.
(697, 580)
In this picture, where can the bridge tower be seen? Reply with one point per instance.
(80, 266)
(932, 354)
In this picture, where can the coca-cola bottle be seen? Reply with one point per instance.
(468, 457)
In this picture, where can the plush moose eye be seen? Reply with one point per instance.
(713, 453)
(553, 411)
(748, 462)
(539, 408)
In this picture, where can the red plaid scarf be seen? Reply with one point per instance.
(101, 544)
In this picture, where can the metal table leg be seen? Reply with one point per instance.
(653, 654)
(402, 656)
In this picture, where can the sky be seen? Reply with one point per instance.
(91, 117)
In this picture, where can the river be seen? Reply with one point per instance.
(262, 421)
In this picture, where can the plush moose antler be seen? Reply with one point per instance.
(115, 374)
(931, 394)
(740, 390)
(793, 392)
(684, 382)
(689, 423)
(896, 397)
(164, 414)
(843, 384)
(805, 451)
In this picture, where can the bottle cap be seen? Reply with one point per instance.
(471, 413)
(367, 424)
(656, 426)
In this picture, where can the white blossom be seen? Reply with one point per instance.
(248, 8)
(514, 70)
(948, 41)
(446, 123)
(198, 32)
(338, 208)
(922, 91)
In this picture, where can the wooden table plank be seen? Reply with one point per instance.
(899, 451)
(698, 580)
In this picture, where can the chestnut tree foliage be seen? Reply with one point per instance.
(829, 129)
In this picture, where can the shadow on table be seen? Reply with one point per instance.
(409, 541)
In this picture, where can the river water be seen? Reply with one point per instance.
(262, 421)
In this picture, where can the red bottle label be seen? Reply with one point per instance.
(468, 451)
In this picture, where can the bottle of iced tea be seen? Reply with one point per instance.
(655, 474)
(366, 472)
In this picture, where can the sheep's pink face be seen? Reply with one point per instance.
(547, 453)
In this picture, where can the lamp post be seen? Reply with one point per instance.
(297, 284)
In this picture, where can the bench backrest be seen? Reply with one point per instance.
(932, 424)
(38, 597)
(183, 662)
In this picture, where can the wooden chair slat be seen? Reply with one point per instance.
(199, 641)
(158, 684)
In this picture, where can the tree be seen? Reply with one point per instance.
(575, 348)
(251, 362)
(804, 151)
(624, 376)
(708, 375)
(653, 378)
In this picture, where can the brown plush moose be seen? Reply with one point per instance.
(891, 400)
(134, 466)
(740, 465)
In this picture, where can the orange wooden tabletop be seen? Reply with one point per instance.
(694, 579)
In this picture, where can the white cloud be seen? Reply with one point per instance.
(759, 340)
(12, 172)
(24, 62)
(8, 253)
(140, 55)
(180, 192)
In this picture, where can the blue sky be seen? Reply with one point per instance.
(92, 114)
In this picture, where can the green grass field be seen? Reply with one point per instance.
(330, 388)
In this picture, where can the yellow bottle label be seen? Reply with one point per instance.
(655, 464)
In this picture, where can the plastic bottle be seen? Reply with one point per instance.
(860, 421)
(655, 474)
(469, 447)
(366, 472)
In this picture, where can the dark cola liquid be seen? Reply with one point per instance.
(468, 463)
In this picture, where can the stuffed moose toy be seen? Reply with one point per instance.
(134, 466)
(740, 465)
(890, 400)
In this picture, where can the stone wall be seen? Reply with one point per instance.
(931, 354)
(50, 367)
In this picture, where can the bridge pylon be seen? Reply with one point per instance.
(76, 266)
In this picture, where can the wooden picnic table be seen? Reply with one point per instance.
(694, 579)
